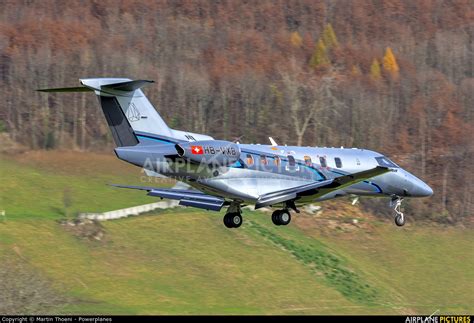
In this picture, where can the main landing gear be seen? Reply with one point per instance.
(232, 220)
(399, 217)
(283, 216)
(233, 217)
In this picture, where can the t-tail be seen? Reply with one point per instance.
(131, 117)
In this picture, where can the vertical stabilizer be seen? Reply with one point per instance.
(123, 102)
(132, 119)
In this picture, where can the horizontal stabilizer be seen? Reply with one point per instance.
(67, 89)
(127, 86)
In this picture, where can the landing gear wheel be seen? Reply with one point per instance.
(276, 217)
(281, 217)
(232, 220)
(285, 217)
(400, 220)
(236, 220)
(227, 221)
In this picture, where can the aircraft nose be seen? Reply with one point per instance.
(422, 189)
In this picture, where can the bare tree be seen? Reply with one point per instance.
(309, 98)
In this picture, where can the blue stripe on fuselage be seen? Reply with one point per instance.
(371, 183)
(154, 139)
(237, 164)
(376, 186)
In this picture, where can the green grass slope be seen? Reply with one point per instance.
(33, 184)
(183, 261)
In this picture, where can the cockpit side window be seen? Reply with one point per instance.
(385, 162)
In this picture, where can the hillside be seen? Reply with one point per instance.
(186, 261)
(395, 76)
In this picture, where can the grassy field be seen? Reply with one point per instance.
(33, 185)
(185, 261)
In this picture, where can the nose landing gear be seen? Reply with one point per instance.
(399, 217)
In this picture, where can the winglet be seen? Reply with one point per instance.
(272, 141)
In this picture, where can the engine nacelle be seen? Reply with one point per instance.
(210, 152)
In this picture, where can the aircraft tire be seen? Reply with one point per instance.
(284, 217)
(236, 220)
(400, 221)
(227, 221)
(232, 220)
(276, 217)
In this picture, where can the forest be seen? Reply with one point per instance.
(395, 76)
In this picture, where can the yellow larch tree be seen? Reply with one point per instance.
(296, 39)
(390, 63)
(329, 37)
(320, 55)
(375, 70)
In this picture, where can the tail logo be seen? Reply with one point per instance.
(132, 113)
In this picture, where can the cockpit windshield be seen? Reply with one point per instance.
(385, 162)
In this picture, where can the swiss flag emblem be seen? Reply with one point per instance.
(196, 150)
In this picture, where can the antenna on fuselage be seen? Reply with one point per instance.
(237, 139)
(272, 141)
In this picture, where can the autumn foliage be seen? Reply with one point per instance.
(395, 76)
(390, 63)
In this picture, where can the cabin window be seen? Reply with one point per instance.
(291, 166)
(263, 160)
(338, 162)
(322, 161)
(277, 161)
(249, 160)
(291, 161)
(307, 161)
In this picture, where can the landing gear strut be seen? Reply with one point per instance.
(399, 217)
(233, 217)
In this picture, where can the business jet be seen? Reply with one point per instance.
(227, 174)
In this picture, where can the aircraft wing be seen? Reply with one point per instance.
(318, 189)
(186, 197)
